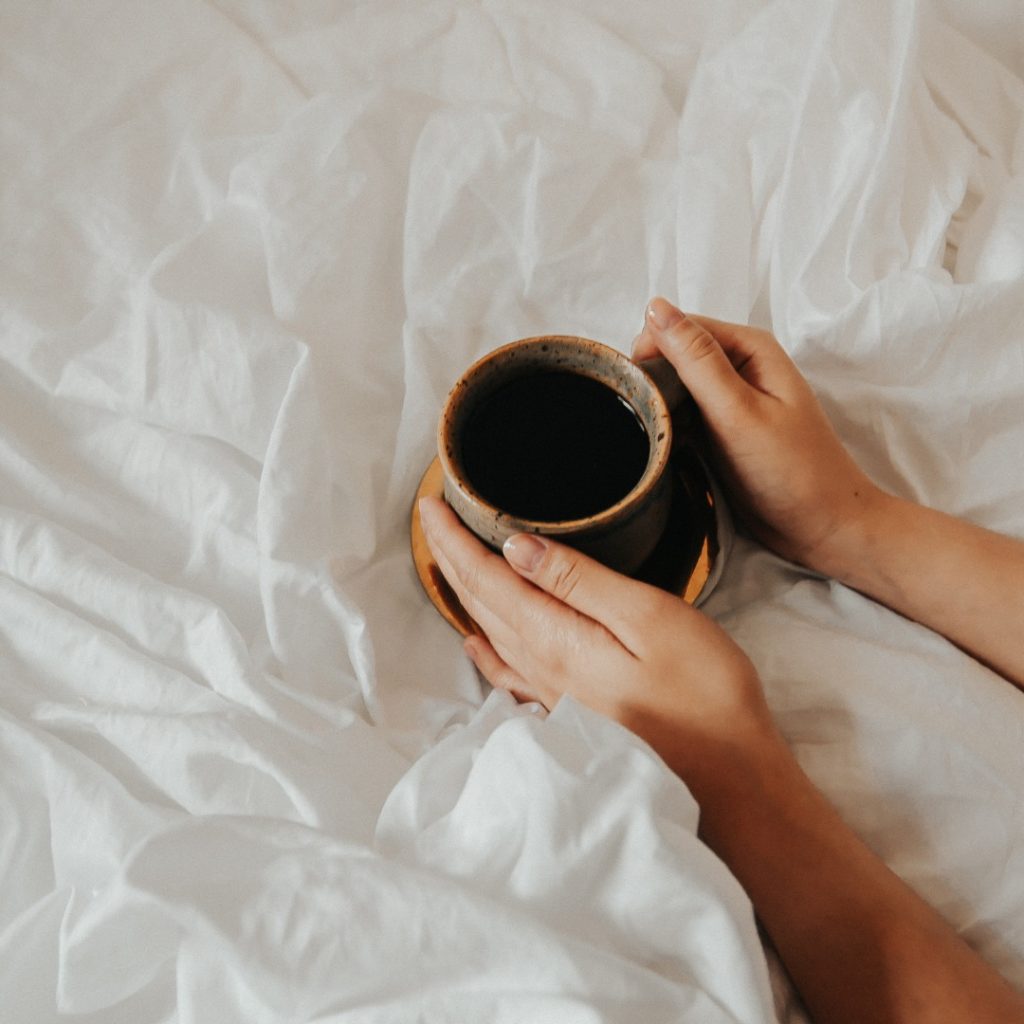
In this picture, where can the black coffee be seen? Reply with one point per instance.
(552, 446)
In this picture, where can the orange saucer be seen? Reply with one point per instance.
(681, 563)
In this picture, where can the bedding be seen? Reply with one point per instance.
(246, 772)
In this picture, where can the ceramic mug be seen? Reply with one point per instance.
(623, 535)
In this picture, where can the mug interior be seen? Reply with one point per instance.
(557, 353)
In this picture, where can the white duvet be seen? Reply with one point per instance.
(246, 773)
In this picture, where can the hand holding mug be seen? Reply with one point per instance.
(557, 622)
(787, 473)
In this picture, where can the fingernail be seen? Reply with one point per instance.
(525, 551)
(662, 313)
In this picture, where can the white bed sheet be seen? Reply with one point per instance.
(245, 771)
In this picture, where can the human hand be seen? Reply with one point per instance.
(790, 478)
(557, 622)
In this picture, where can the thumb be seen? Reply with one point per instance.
(618, 603)
(697, 357)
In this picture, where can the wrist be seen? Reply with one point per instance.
(729, 776)
(850, 552)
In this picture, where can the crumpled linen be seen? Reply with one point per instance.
(457, 909)
(247, 772)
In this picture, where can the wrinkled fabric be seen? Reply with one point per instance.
(246, 772)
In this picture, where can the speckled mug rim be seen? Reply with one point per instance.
(660, 439)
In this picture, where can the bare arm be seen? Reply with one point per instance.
(803, 495)
(964, 582)
(860, 945)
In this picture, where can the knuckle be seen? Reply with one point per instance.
(504, 654)
(695, 343)
(506, 678)
(469, 575)
(565, 577)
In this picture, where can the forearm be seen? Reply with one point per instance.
(964, 582)
(858, 943)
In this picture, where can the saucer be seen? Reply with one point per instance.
(684, 562)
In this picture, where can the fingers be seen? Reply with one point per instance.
(644, 346)
(698, 358)
(569, 608)
(529, 630)
(756, 355)
(499, 674)
(616, 602)
(481, 579)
